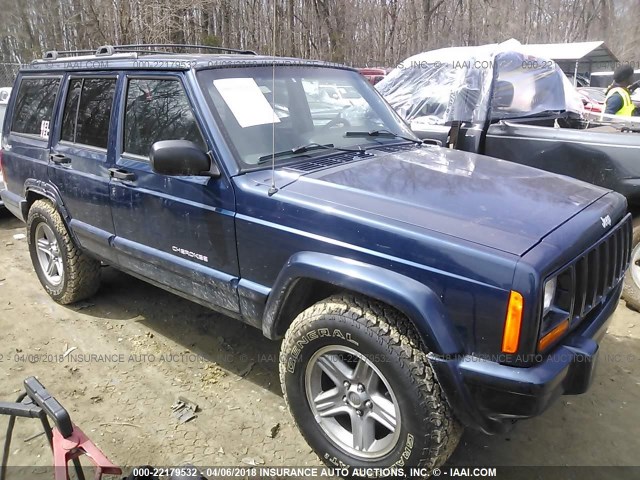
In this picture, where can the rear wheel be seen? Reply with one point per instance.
(631, 289)
(66, 273)
(360, 387)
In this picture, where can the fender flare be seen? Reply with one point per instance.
(414, 299)
(50, 192)
(47, 190)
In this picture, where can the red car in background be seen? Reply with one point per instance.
(593, 98)
(373, 75)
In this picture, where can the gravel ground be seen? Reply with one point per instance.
(133, 349)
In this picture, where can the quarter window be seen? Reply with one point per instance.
(87, 111)
(157, 110)
(34, 106)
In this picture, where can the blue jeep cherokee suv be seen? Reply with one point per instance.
(418, 289)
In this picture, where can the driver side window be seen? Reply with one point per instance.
(157, 109)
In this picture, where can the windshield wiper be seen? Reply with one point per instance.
(382, 133)
(307, 148)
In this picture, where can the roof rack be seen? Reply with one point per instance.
(54, 54)
(115, 48)
(144, 48)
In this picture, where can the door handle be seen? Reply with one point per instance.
(59, 158)
(120, 174)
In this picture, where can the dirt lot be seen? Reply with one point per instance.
(150, 347)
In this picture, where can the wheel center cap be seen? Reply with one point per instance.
(354, 399)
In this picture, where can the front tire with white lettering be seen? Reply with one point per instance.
(358, 383)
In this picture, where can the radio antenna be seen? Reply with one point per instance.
(273, 189)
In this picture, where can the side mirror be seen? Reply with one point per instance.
(181, 158)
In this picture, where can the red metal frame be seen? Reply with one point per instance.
(78, 444)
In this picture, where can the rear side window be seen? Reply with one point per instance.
(70, 111)
(157, 110)
(34, 106)
(87, 111)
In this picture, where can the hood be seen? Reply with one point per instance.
(484, 200)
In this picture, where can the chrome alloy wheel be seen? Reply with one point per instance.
(49, 255)
(352, 402)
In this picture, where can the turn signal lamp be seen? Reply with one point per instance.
(555, 333)
(513, 323)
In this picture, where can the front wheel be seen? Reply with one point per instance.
(361, 390)
(631, 289)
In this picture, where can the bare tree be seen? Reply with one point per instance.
(357, 32)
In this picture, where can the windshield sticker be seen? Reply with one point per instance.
(246, 101)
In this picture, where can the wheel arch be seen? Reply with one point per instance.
(634, 209)
(39, 190)
(309, 277)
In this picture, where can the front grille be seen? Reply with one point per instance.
(595, 273)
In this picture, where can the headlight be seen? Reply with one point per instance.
(549, 294)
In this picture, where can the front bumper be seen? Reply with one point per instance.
(489, 396)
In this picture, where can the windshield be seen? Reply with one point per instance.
(308, 106)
